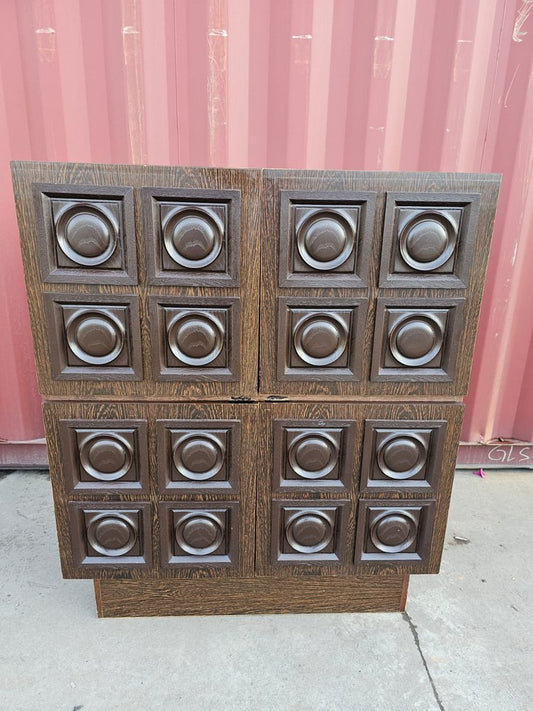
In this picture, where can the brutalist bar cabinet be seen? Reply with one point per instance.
(253, 380)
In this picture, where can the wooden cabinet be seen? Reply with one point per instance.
(252, 379)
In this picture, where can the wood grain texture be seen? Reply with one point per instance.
(138, 177)
(284, 538)
(274, 181)
(327, 414)
(243, 596)
(105, 414)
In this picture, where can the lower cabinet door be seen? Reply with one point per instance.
(192, 490)
(354, 488)
(154, 490)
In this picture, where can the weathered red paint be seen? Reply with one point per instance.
(433, 85)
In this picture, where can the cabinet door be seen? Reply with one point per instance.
(154, 490)
(371, 282)
(354, 488)
(142, 281)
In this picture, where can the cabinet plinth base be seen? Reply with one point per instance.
(243, 596)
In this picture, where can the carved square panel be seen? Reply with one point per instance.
(394, 531)
(86, 233)
(309, 531)
(193, 236)
(320, 339)
(110, 535)
(199, 534)
(325, 238)
(402, 454)
(198, 455)
(104, 456)
(94, 337)
(195, 339)
(417, 339)
(312, 454)
(428, 240)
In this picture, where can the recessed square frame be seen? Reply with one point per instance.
(75, 434)
(354, 208)
(58, 260)
(66, 366)
(461, 209)
(292, 313)
(430, 434)
(284, 514)
(223, 210)
(420, 511)
(172, 514)
(85, 562)
(339, 474)
(447, 312)
(172, 432)
(230, 354)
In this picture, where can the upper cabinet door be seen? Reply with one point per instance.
(371, 282)
(182, 283)
(143, 281)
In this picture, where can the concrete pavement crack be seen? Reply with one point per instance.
(416, 638)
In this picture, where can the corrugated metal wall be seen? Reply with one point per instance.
(341, 84)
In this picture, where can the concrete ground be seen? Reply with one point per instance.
(465, 641)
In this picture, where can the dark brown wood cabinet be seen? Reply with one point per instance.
(253, 380)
